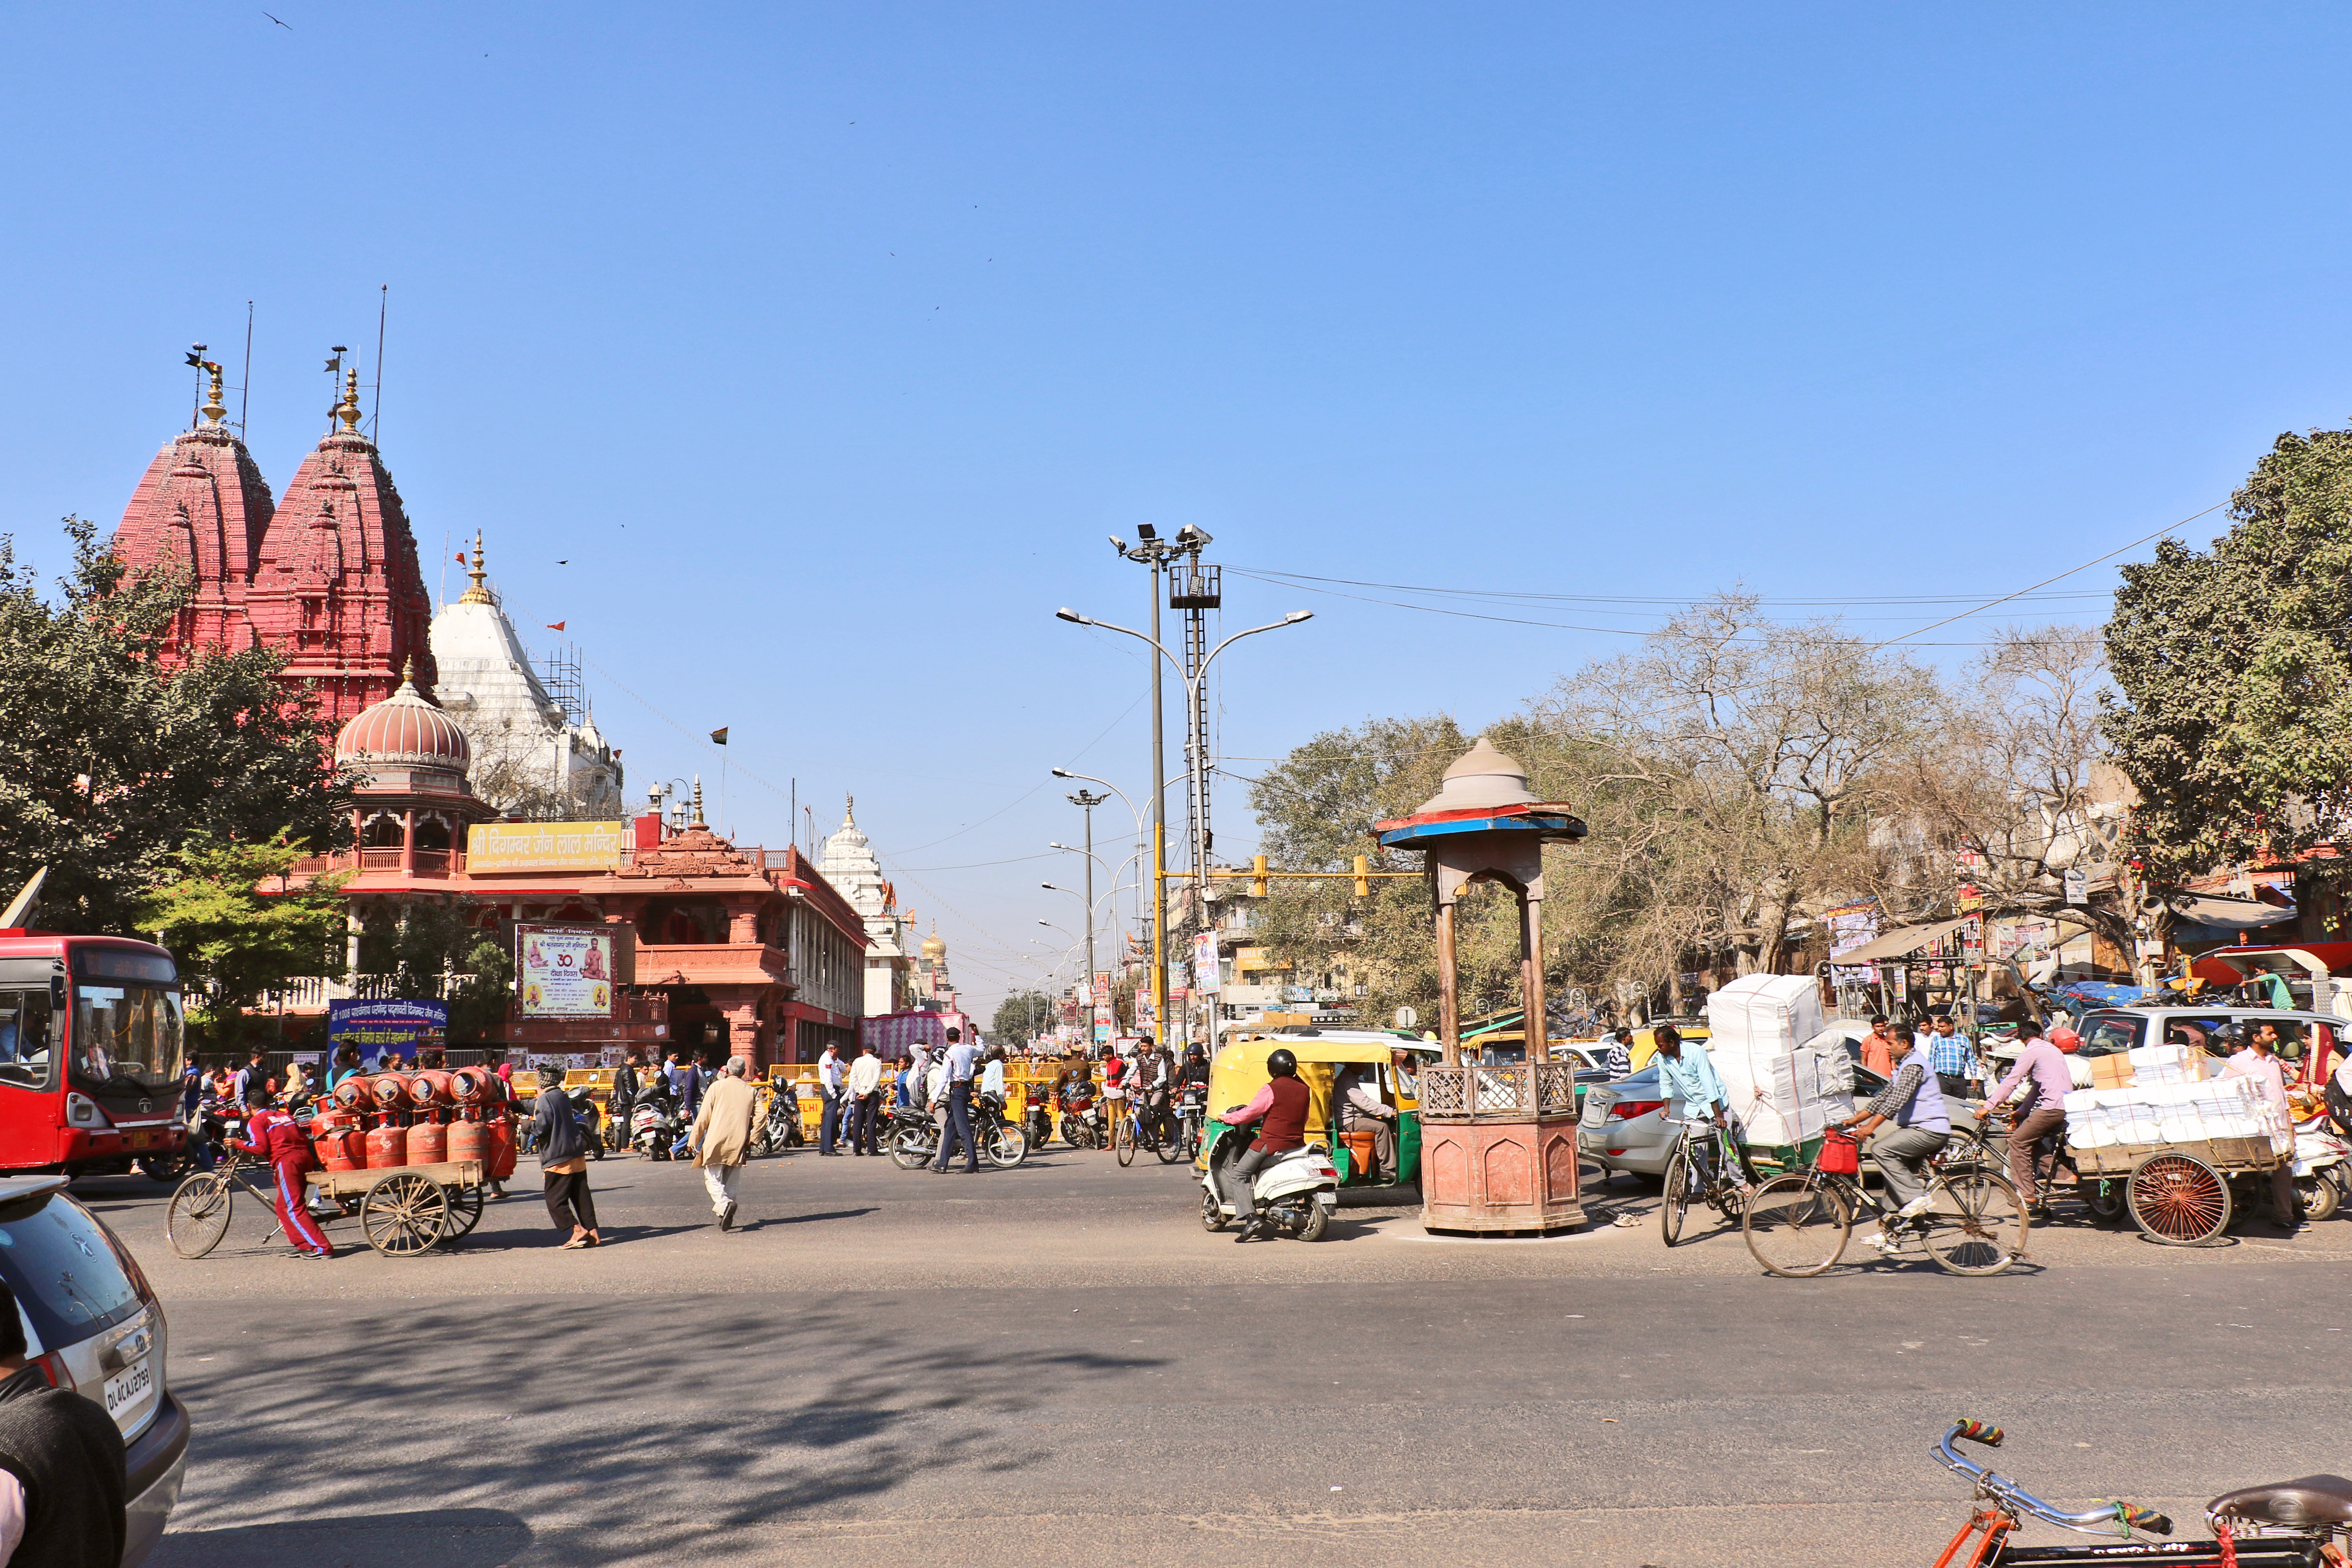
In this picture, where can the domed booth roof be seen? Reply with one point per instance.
(404, 731)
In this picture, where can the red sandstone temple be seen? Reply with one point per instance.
(330, 575)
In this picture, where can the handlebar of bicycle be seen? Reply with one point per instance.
(2119, 1517)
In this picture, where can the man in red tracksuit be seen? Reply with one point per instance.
(273, 1135)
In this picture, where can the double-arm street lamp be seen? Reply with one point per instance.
(1198, 750)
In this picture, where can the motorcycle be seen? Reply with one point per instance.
(2320, 1174)
(1040, 1121)
(655, 1129)
(913, 1139)
(1191, 1116)
(1083, 1126)
(781, 1129)
(1293, 1191)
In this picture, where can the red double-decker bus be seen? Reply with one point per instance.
(90, 1051)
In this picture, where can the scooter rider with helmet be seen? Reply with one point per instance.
(1280, 1111)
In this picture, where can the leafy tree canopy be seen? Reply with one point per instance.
(110, 763)
(436, 949)
(1020, 1015)
(2233, 713)
(239, 926)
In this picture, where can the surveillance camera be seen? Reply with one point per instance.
(1119, 545)
(1196, 537)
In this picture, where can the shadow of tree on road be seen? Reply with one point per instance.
(571, 1418)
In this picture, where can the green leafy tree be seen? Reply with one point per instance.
(110, 763)
(1021, 1014)
(240, 925)
(437, 950)
(2234, 672)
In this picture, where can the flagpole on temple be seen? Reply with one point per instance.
(718, 738)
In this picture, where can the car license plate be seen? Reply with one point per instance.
(141, 1139)
(130, 1385)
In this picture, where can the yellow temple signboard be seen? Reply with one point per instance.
(495, 847)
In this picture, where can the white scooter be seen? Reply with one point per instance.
(1297, 1190)
(2320, 1174)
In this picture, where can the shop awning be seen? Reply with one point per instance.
(1897, 943)
(2222, 912)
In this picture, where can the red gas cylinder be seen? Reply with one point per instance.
(429, 1143)
(502, 1148)
(386, 1147)
(468, 1086)
(429, 1087)
(353, 1094)
(390, 1089)
(468, 1139)
(342, 1148)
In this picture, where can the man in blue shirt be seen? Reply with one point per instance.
(959, 1060)
(1953, 1057)
(1694, 1091)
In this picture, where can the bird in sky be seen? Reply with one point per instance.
(287, 26)
(563, 563)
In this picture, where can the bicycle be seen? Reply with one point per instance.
(1798, 1225)
(1126, 1128)
(1700, 1172)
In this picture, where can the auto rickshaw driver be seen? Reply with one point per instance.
(1356, 1096)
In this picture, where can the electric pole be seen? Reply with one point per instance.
(1088, 802)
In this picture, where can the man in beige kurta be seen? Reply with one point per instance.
(722, 1137)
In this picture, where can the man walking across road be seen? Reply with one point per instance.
(828, 1084)
(623, 1098)
(2041, 1072)
(865, 1101)
(959, 1066)
(722, 1137)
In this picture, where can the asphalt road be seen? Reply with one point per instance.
(1056, 1364)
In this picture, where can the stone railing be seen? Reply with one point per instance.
(1517, 1091)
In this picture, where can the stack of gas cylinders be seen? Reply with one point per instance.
(374, 1120)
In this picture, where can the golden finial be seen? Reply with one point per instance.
(347, 411)
(697, 800)
(214, 406)
(408, 671)
(849, 813)
(477, 595)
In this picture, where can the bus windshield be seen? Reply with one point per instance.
(127, 1031)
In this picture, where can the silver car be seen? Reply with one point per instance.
(1624, 1125)
(92, 1324)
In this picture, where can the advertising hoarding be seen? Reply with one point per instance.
(564, 971)
(376, 1026)
(495, 847)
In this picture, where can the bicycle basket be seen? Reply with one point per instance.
(1840, 1157)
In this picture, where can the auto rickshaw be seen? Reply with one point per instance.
(1239, 1072)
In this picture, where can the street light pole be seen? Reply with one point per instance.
(1087, 801)
(1193, 682)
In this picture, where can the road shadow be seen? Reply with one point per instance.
(559, 1410)
(444, 1538)
(806, 1219)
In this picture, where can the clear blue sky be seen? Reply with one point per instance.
(828, 343)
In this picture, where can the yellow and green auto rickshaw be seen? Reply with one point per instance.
(1324, 1054)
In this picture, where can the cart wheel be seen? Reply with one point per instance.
(465, 1210)
(405, 1215)
(197, 1216)
(2178, 1200)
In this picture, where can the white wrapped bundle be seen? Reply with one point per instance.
(1765, 1037)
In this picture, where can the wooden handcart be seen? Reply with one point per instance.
(407, 1211)
(2180, 1193)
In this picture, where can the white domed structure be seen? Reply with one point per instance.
(531, 757)
(855, 871)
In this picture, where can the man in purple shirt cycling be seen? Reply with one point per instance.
(2040, 1110)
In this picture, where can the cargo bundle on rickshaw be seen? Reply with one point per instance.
(2179, 1135)
(1786, 1074)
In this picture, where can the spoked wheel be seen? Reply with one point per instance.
(1675, 1200)
(1797, 1226)
(1974, 1223)
(1170, 1146)
(465, 1210)
(2178, 1200)
(1122, 1138)
(910, 1149)
(1212, 1213)
(197, 1216)
(405, 1215)
(1007, 1147)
